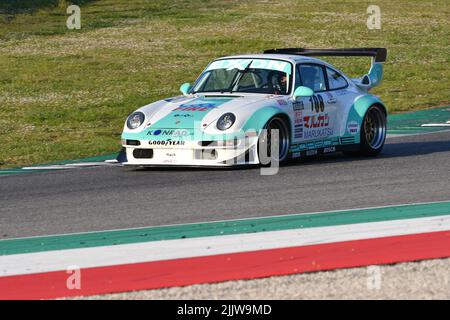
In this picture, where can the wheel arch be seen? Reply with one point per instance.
(287, 121)
(362, 104)
(258, 119)
(357, 113)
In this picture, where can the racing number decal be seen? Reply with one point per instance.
(317, 103)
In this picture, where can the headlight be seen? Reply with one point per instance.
(135, 120)
(226, 121)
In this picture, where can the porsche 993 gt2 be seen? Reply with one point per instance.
(228, 116)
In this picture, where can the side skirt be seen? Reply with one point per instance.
(323, 151)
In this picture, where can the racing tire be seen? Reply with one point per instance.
(284, 139)
(373, 131)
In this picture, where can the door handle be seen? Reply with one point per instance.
(332, 100)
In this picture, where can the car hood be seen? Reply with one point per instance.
(198, 112)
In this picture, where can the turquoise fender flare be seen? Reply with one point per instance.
(258, 120)
(362, 104)
(358, 112)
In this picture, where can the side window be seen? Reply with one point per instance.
(336, 80)
(312, 77)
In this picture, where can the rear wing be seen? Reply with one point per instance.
(366, 82)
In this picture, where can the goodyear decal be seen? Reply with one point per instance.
(166, 143)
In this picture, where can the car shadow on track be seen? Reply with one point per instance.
(405, 149)
(189, 168)
(390, 150)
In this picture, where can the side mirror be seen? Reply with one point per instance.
(185, 87)
(303, 92)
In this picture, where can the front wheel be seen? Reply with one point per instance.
(276, 123)
(373, 131)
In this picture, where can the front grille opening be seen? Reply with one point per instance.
(205, 143)
(219, 143)
(143, 153)
(133, 142)
(206, 154)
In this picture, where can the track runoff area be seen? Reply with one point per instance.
(84, 264)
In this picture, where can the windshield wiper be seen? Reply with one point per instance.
(239, 77)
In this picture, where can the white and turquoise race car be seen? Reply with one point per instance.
(253, 109)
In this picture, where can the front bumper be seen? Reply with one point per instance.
(235, 152)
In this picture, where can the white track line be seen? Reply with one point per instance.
(401, 135)
(194, 247)
(73, 165)
(436, 124)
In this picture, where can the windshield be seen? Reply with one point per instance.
(265, 76)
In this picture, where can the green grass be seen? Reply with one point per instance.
(65, 94)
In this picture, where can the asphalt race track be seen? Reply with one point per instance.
(411, 169)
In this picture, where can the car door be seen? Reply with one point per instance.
(339, 94)
(319, 114)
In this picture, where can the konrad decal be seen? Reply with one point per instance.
(169, 132)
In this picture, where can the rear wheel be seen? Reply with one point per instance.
(373, 131)
(276, 123)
